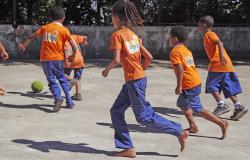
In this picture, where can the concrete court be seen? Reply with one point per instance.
(29, 131)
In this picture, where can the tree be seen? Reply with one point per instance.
(154, 12)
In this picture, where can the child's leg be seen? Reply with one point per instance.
(231, 89)
(77, 77)
(48, 68)
(211, 117)
(192, 125)
(214, 85)
(122, 137)
(77, 82)
(145, 114)
(78, 87)
(185, 106)
(2, 91)
(63, 82)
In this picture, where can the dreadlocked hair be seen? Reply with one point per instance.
(127, 13)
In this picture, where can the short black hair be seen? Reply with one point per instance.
(179, 32)
(57, 13)
(207, 20)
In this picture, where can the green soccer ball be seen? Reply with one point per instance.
(37, 86)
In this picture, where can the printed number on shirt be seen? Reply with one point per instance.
(189, 61)
(51, 37)
(133, 46)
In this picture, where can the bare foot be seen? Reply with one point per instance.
(224, 130)
(182, 138)
(2, 91)
(127, 153)
(192, 130)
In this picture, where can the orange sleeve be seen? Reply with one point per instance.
(175, 58)
(39, 32)
(67, 35)
(115, 42)
(213, 37)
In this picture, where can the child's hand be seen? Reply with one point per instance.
(105, 73)
(22, 47)
(2, 91)
(4, 55)
(178, 90)
(86, 41)
(223, 61)
(68, 77)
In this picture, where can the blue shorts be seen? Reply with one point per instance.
(189, 99)
(77, 72)
(227, 82)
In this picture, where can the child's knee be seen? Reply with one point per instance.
(115, 112)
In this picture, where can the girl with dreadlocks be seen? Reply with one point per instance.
(128, 49)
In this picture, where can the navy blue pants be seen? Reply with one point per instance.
(77, 72)
(53, 71)
(133, 94)
(227, 82)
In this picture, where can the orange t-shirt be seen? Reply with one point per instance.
(78, 61)
(54, 37)
(212, 50)
(129, 43)
(181, 55)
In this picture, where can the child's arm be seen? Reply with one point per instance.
(24, 45)
(112, 64)
(221, 49)
(85, 40)
(74, 48)
(3, 52)
(148, 57)
(179, 75)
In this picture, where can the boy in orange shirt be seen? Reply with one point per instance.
(4, 56)
(77, 64)
(52, 57)
(189, 82)
(128, 51)
(221, 73)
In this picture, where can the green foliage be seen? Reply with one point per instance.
(154, 12)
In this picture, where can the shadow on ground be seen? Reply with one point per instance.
(41, 107)
(168, 111)
(46, 146)
(144, 129)
(39, 96)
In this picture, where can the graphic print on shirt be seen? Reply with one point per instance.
(133, 46)
(189, 61)
(51, 37)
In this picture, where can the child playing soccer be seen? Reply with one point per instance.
(4, 56)
(77, 64)
(128, 50)
(54, 37)
(189, 82)
(221, 74)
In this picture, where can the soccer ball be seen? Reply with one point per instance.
(37, 86)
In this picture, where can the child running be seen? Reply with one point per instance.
(77, 64)
(221, 73)
(54, 37)
(4, 56)
(128, 51)
(189, 82)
